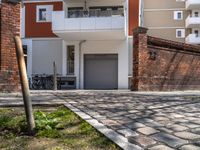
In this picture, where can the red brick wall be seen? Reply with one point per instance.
(10, 26)
(163, 65)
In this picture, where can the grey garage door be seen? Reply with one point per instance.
(100, 71)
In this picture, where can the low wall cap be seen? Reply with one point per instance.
(141, 30)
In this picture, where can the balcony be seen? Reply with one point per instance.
(193, 39)
(193, 22)
(192, 4)
(91, 25)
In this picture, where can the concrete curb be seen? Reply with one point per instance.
(34, 104)
(111, 134)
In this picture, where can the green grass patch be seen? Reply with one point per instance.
(57, 129)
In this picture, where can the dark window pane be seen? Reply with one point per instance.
(42, 14)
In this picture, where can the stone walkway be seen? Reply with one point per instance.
(154, 121)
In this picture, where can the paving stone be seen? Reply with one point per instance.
(190, 125)
(109, 122)
(135, 125)
(142, 140)
(127, 132)
(176, 127)
(160, 147)
(187, 135)
(163, 129)
(169, 139)
(196, 130)
(161, 119)
(196, 121)
(190, 147)
(147, 130)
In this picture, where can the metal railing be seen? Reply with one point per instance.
(94, 13)
(70, 67)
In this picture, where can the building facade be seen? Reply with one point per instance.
(177, 20)
(9, 27)
(89, 40)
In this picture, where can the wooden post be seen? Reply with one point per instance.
(24, 85)
(54, 76)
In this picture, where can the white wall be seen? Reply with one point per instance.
(44, 53)
(108, 47)
(28, 43)
(22, 22)
(130, 56)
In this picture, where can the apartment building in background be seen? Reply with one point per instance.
(90, 40)
(177, 20)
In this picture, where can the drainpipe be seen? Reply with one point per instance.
(80, 48)
(141, 13)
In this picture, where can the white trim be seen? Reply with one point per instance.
(42, 1)
(48, 12)
(176, 15)
(165, 27)
(64, 58)
(171, 9)
(45, 38)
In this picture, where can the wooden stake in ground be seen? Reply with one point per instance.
(54, 76)
(24, 85)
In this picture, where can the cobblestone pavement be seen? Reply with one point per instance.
(154, 121)
(38, 98)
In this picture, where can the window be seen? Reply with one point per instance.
(44, 13)
(75, 12)
(178, 15)
(25, 54)
(196, 32)
(70, 60)
(196, 14)
(180, 33)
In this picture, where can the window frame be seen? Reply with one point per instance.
(49, 9)
(176, 15)
(182, 33)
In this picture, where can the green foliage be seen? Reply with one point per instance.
(85, 128)
(43, 122)
(49, 133)
(61, 125)
(4, 120)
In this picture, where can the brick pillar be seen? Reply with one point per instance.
(139, 55)
(10, 27)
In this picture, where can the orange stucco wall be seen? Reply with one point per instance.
(133, 15)
(35, 29)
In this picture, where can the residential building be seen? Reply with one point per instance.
(177, 20)
(90, 40)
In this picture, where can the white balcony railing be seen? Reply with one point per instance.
(193, 22)
(192, 4)
(96, 25)
(93, 13)
(193, 39)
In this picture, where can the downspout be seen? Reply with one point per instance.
(141, 13)
(80, 48)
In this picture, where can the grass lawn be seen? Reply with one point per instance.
(57, 129)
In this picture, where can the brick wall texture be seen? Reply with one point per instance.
(163, 65)
(10, 27)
